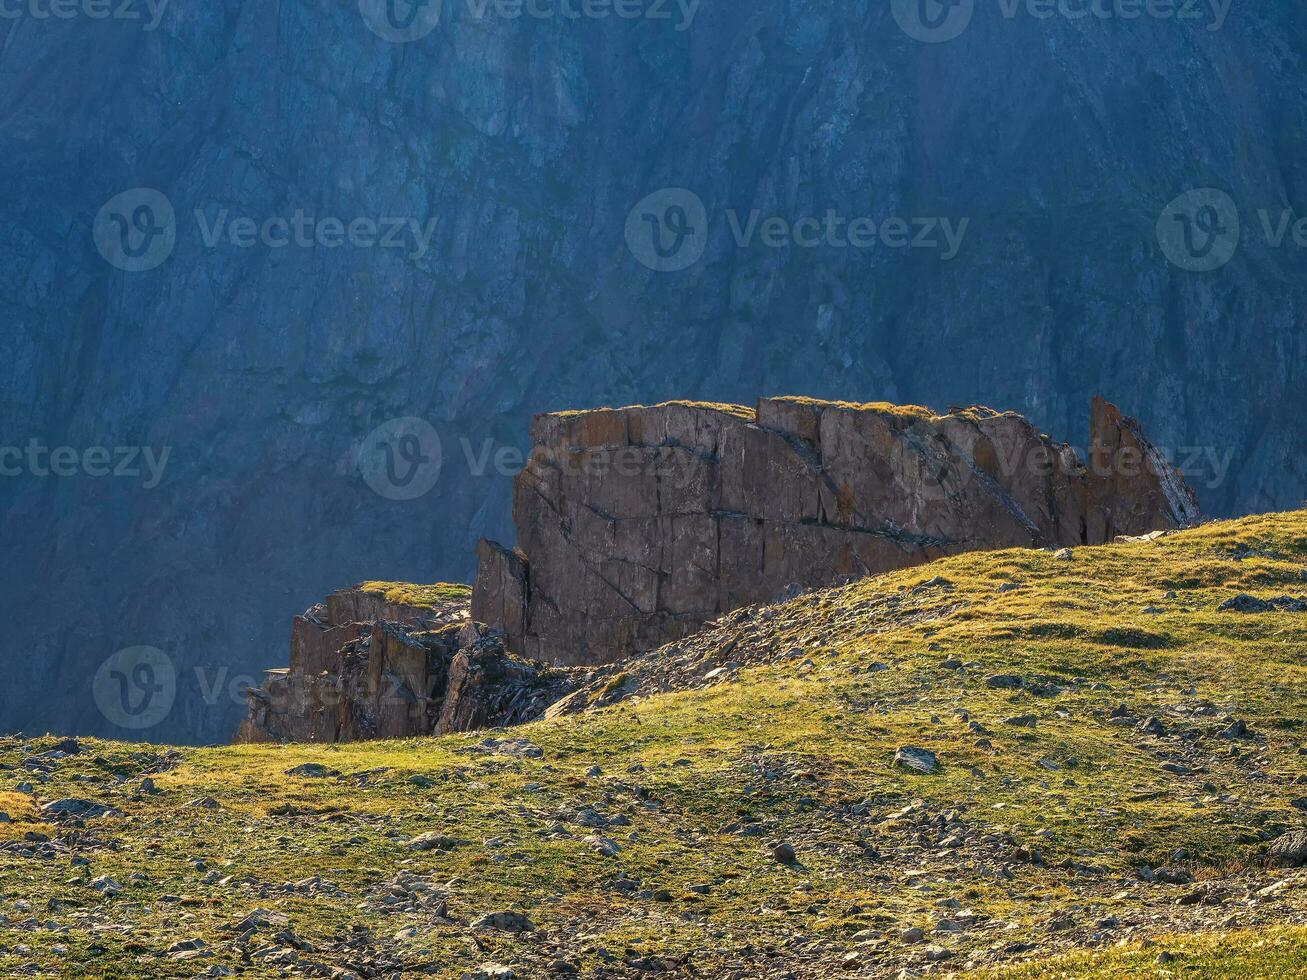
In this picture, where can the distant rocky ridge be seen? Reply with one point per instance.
(636, 526)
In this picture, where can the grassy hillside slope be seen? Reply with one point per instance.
(639, 839)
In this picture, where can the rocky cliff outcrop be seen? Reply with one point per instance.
(637, 525)
(363, 666)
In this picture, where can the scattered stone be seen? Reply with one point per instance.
(783, 852)
(1022, 721)
(916, 760)
(1172, 875)
(432, 841)
(504, 922)
(603, 845)
(260, 919)
(78, 808)
(589, 817)
(1244, 603)
(1154, 727)
(312, 770)
(1288, 850)
(1237, 729)
(490, 971)
(519, 747)
(1005, 682)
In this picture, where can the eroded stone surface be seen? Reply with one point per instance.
(419, 671)
(637, 525)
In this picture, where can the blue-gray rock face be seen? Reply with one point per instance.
(360, 212)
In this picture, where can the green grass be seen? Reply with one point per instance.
(428, 596)
(739, 411)
(804, 746)
(1243, 955)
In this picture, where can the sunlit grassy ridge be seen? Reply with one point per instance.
(406, 594)
(739, 411)
(802, 750)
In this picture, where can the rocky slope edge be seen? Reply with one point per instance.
(1085, 763)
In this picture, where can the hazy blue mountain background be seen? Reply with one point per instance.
(528, 141)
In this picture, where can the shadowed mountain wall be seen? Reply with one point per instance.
(528, 142)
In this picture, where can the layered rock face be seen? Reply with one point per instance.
(637, 525)
(362, 667)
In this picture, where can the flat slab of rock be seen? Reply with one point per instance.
(432, 842)
(490, 971)
(77, 808)
(504, 922)
(519, 747)
(312, 770)
(1244, 603)
(1288, 850)
(916, 760)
